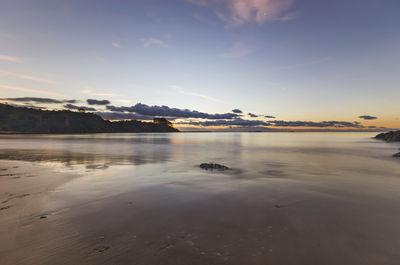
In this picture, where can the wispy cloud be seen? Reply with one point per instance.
(181, 90)
(102, 94)
(147, 42)
(40, 100)
(240, 49)
(11, 59)
(9, 36)
(313, 62)
(124, 100)
(44, 92)
(116, 44)
(26, 77)
(236, 12)
(289, 16)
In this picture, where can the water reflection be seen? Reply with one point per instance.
(91, 160)
(272, 155)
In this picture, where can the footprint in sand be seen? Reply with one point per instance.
(5, 207)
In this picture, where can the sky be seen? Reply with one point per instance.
(209, 64)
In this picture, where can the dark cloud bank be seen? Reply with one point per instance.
(145, 112)
(166, 111)
(122, 116)
(252, 115)
(242, 122)
(98, 102)
(74, 107)
(41, 100)
(367, 117)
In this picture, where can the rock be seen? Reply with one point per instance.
(213, 166)
(397, 155)
(392, 136)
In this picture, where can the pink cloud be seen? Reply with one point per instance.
(238, 12)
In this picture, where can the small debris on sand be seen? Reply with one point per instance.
(213, 166)
(100, 249)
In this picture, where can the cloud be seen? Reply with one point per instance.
(258, 123)
(166, 111)
(367, 117)
(237, 12)
(40, 100)
(74, 107)
(289, 16)
(237, 111)
(269, 117)
(116, 44)
(147, 42)
(98, 102)
(91, 92)
(323, 124)
(122, 116)
(10, 59)
(30, 90)
(26, 77)
(313, 62)
(236, 122)
(180, 90)
(9, 36)
(240, 49)
(252, 115)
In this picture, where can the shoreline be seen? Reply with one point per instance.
(272, 131)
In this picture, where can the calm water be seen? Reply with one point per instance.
(116, 163)
(290, 198)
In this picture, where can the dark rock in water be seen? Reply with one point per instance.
(392, 136)
(397, 155)
(213, 166)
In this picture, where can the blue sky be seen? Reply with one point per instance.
(298, 60)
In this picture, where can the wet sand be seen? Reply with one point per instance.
(341, 207)
(23, 186)
(283, 222)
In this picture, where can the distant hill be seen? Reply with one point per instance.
(27, 120)
(393, 136)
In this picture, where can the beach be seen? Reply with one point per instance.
(303, 198)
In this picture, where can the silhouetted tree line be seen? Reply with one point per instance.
(28, 120)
